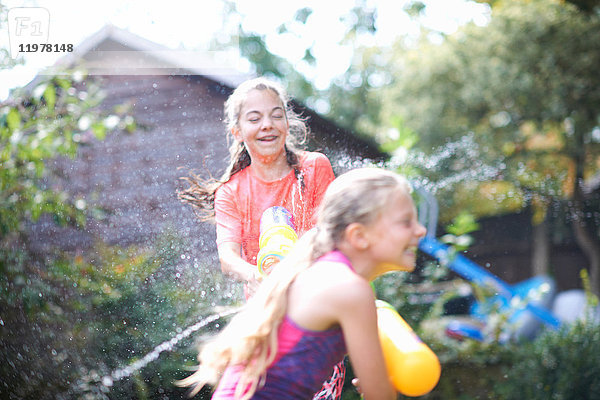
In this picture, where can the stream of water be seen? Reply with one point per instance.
(97, 387)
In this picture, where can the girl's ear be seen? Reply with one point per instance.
(237, 135)
(356, 235)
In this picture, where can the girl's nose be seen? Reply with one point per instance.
(421, 231)
(267, 123)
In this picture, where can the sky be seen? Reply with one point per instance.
(190, 25)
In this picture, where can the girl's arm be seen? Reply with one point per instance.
(358, 318)
(234, 265)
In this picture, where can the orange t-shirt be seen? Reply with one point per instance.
(240, 202)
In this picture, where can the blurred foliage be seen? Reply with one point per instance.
(75, 320)
(588, 6)
(506, 115)
(459, 231)
(529, 113)
(557, 365)
(50, 120)
(592, 300)
(352, 97)
(68, 320)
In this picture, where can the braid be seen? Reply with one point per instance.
(294, 161)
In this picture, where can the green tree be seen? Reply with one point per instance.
(345, 100)
(352, 97)
(67, 321)
(518, 98)
(37, 125)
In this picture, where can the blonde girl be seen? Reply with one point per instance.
(318, 304)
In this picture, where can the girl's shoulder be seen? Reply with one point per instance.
(316, 168)
(339, 275)
(344, 289)
(238, 176)
(321, 293)
(314, 158)
(235, 181)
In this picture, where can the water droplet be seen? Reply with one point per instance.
(107, 381)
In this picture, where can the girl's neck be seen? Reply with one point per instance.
(361, 263)
(271, 170)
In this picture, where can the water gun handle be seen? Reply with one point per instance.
(277, 237)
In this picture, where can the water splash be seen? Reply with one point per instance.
(95, 386)
(463, 155)
(167, 345)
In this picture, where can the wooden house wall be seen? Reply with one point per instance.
(503, 245)
(134, 177)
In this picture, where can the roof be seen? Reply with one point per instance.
(116, 51)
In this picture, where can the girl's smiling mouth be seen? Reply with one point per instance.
(268, 138)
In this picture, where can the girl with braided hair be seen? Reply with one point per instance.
(266, 169)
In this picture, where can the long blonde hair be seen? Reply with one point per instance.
(201, 192)
(250, 339)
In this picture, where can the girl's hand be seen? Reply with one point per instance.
(254, 281)
(356, 383)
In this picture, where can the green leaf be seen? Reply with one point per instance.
(130, 125)
(63, 83)
(50, 96)
(13, 119)
(99, 130)
(462, 224)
